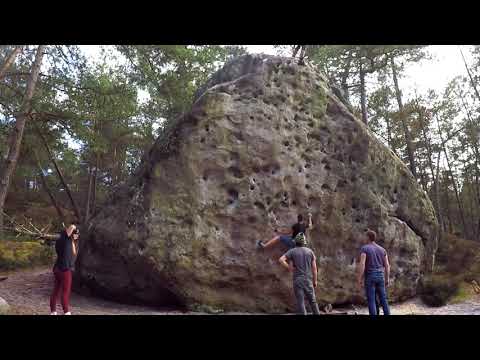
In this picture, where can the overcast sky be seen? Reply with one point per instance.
(428, 74)
(435, 73)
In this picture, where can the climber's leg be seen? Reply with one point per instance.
(269, 243)
(284, 239)
(287, 240)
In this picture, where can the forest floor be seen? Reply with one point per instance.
(28, 291)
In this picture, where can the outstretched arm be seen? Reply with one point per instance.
(310, 224)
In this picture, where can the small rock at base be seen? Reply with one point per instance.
(4, 307)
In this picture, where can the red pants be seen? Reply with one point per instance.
(63, 282)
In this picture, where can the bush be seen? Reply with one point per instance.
(456, 255)
(22, 254)
(438, 290)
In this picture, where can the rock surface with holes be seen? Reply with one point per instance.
(265, 139)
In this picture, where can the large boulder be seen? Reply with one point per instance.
(265, 140)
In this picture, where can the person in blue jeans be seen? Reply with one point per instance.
(374, 270)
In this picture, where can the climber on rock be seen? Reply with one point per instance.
(374, 269)
(301, 261)
(287, 239)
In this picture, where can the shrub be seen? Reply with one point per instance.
(438, 290)
(21, 254)
(456, 255)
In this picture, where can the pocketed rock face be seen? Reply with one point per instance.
(266, 139)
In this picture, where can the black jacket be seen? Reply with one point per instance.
(64, 249)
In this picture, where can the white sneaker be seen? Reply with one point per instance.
(68, 313)
(53, 313)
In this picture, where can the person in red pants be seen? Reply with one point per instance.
(66, 249)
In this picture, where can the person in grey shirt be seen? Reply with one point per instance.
(301, 261)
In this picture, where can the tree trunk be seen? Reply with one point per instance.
(478, 229)
(457, 196)
(363, 94)
(89, 195)
(471, 206)
(437, 200)
(423, 181)
(434, 176)
(476, 150)
(95, 181)
(477, 186)
(389, 134)
(408, 137)
(17, 133)
(427, 144)
(48, 191)
(9, 61)
(60, 175)
(344, 78)
(454, 183)
(470, 76)
(447, 207)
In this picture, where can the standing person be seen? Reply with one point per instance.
(301, 261)
(374, 269)
(288, 239)
(377, 303)
(66, 249)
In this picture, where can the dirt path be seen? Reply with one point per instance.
(28, 292)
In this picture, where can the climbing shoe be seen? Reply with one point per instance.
(260, 245)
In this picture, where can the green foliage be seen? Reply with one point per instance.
(110, 110)
(437, 290)
(22, 254)
(172, 73)
(458, 257)
(457, 264)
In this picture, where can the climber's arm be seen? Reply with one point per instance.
(310, 223)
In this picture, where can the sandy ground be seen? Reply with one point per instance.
(28, 293)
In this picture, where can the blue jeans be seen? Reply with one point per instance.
(288, 241)
(375, 284)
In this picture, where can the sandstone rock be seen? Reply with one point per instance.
(265, 140)
(4, 307)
